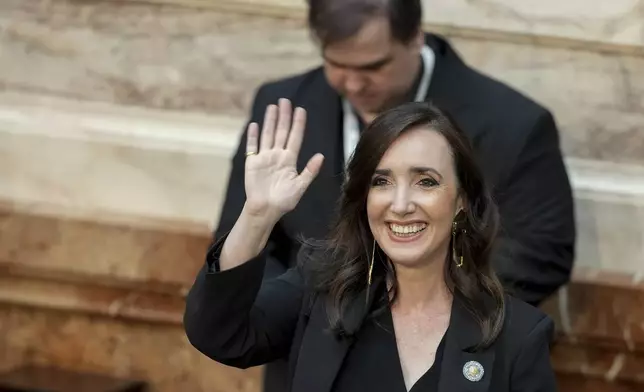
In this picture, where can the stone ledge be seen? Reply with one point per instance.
(607, 181)
(171, 167)
(610, 365)
(71, 247)
(122, 125)
(217, 136)
(576, 382)
(600, 326)
(132, 300)
(124, 348)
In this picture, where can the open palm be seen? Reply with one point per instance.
(273, 185)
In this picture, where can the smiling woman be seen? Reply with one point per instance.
(400, 297)
(414, 190)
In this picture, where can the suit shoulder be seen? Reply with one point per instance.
(527, 331)
(288, 87)
(493, 91)
(521, 319)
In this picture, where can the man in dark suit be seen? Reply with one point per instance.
(376, 57)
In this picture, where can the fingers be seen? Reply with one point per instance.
(252, 137)
(297, 131)
(278, 131)
(311, 171)
(283, 123)
(268, 130)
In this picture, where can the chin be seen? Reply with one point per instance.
(407, 261)
(368, 106)
(404, 255)
(406, 250)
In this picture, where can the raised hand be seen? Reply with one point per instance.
(273, 185)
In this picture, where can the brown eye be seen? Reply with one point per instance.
(379, 181)
(428, 182)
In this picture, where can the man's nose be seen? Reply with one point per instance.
(354, 83)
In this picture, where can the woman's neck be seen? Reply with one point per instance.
(423, 288)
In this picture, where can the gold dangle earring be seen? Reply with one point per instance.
(373, 253)
(457, 260)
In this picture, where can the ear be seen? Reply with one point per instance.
(460, 204)
(419, 41)
(420, 38)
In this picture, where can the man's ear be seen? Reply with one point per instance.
(419, 41)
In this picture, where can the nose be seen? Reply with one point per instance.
(354, 82)
(402, 203)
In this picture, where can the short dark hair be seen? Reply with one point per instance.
(340, 269)
(336, 20)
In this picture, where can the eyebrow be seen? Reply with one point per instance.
(367, 66)
(414, 169)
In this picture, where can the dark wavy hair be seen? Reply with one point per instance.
(340, 268)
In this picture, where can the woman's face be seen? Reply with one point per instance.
(414, 198)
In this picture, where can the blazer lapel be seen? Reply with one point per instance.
(324, 128)
(450, 86)
(322, 353)
(323, 135)
(444, 86)
(463, 333)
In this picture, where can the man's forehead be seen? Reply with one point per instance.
(358, 55)
(368, 60)
(373, 36)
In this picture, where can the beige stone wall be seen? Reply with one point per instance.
(191, 59)
(155, 95)
(118, 118)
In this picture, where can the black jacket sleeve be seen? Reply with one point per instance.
(535, 251)
(275, 263)
(235, 319)
(532, 370)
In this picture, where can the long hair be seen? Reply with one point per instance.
(340, 269)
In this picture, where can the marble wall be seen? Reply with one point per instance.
(117, 120)
(190, 59)
(155, 95)
(616, 23)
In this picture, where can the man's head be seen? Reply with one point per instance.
(370, 48)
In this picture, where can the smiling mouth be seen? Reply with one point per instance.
(406, 230)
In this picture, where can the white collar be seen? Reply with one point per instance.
(351, 129)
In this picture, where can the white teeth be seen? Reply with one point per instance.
(407, 229)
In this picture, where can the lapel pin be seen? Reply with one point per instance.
(473, 371)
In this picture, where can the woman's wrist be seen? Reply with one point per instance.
(259, 220)
(247, 238)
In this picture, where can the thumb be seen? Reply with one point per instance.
(310, 171)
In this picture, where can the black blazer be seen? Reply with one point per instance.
(236, 320)
(517, 146)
